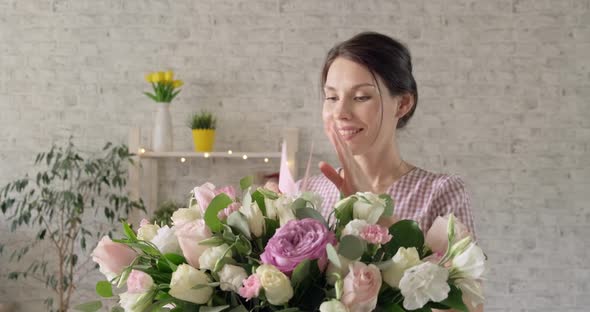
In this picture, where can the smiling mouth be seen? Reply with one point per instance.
(349, 134)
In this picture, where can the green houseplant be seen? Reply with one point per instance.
(203, 126)
(66, 193)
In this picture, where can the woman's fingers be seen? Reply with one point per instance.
(331, 174)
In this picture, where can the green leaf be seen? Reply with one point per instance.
(129, 232)
(390, 307)
(344, 211)
(388, 212)
(268, 193)
(455, 300)
(351, 247)
(104, 289)
(306, 212)
(300, 272)
(239, 308)
(218, 203)
(117, 309)
(405, 233)
(240, 223)
(89, 306)
(243, 246)
(259, 199)
(213, 309)
(213, 241)
(333, 255)
(299, 203)
(246, 182)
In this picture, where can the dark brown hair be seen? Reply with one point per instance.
(383, 56)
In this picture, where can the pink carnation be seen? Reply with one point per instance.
(251, 287)
(375, 234)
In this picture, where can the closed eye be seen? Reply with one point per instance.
(362, 98)
(331, 98)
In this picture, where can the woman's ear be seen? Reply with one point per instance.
(404, 104)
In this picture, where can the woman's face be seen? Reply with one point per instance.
(352, 107)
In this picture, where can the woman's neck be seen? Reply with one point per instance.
(383, 167)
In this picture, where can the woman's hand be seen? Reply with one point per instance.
(352, 178)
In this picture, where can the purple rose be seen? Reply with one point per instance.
(296, 241)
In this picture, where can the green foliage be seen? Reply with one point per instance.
(202, 120)
(163, 215)
(56, 200)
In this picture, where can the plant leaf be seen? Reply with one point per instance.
(246, 182)
(89, 306)
(405, 233)
(104, 289)
(218, 203)
(333, 255)
(351, 247)
(455, 300)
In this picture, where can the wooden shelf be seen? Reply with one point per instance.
(189, 154)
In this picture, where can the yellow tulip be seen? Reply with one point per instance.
(158, 77)
(169, 76)
(148, 77)
(177, 83)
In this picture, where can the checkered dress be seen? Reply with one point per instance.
(419, 195)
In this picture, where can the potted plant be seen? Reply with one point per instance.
(203, 126)
(165, 90)
(61, 202)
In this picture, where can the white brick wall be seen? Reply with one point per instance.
(504, 89)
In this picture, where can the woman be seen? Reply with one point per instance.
(370, 93)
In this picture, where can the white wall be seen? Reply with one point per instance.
(504, 88)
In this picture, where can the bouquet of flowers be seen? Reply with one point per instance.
(269, 251)
(164, 86)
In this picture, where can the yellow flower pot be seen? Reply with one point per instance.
(203, 139)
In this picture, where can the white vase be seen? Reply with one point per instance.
(162, 136)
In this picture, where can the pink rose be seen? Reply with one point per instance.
(436, 237)
(251, 287)
(189, 235)
(204, 194)
(375, 234)
(361, 287)
(231, 192)
(112, 257)
(296, 241)
(139, 282)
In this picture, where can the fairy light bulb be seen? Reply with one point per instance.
(245, 156)
(182, 159)
(206, 155)
(230, 152)
(266, 160)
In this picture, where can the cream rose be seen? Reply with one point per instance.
(183, 281)
(231, 277)
(277, 285)
(210, 256)
(184, 215)
(147, 231)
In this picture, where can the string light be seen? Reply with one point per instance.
(206, 155)
(245, 156)
(182, 159)
(266, 160)
(230, 152)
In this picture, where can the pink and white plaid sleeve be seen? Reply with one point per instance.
(451, 197)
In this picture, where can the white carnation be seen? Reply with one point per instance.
(423, 283)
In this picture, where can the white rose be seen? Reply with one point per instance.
(403, 260)
(470, 263)
(135, 302)
(183, 281)
(184, 215)
(166, 241)
(368, 207)
(147, 231)
(271, 209)
(422, 283)
(255, 218)
(210, 256)
(333, 306)
(231, 277)
(284, 210)
(315, 199)
(277, 286)
(354, 227)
